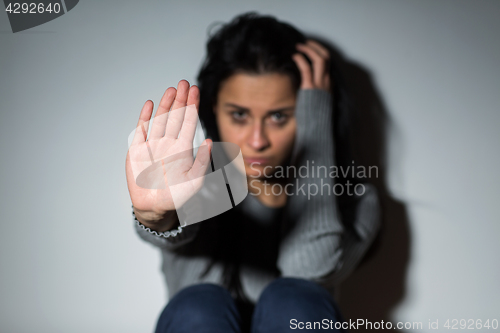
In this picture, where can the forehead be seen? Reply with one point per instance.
(257, 90)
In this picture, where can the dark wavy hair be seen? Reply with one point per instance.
(258, 44)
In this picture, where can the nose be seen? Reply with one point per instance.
(257, 138)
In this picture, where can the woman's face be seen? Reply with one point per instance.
(257, 112)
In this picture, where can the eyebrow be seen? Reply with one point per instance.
(286, 108)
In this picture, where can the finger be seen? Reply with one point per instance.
(141, 131)
(176, 115)
(305, 71)
(202, 160)
(182, 94)
(160, 119)
(318, 63)
(323, 51)
(188, 129)
(194, 96)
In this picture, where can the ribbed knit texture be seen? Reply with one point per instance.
(312, 243)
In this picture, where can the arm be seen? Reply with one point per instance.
(311, 246)
(356, 243)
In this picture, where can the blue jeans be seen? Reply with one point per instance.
(285, 305)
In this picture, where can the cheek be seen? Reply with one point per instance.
(283, 141)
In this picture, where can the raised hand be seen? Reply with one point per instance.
(164, 159)
(316, 77)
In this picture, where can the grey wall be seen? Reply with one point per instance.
(71, 91)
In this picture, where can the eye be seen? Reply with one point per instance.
(239, 116)
(278, 117)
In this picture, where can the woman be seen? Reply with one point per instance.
(266, 264)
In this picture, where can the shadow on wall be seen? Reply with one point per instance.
(378, 285)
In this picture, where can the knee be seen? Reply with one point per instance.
(293, 292)
(197, 305)
(198, 301)
(297, 298)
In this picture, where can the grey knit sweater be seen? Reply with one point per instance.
(304, 239)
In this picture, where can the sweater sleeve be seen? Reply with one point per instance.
(355, 243)
(314, 243)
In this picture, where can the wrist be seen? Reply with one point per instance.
(157, 222)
